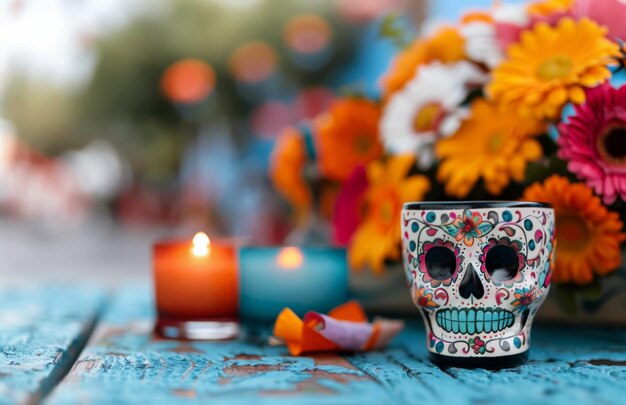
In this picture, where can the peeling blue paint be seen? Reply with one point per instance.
(42, 329)
(125, 364)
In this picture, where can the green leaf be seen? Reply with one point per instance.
(451, 230)
(391, 29)
(567, 301)
(485, 227)
(356, 90)
(591, 292)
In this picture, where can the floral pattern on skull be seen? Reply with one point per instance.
(516, 245)
(478, 275)
(422, 262)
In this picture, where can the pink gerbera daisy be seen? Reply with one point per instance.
(609, 13)
(593, 141)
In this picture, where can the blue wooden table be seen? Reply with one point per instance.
(43, 330)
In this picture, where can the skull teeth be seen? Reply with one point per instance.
(474, 320)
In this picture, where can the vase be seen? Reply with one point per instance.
(601, 302)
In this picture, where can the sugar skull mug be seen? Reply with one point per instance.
(478, 272)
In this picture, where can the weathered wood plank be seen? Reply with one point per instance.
(577, 365)
(124, 363)
(42, 330)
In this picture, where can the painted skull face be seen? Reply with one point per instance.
(478, 273)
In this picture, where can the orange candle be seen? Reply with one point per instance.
(196, 288)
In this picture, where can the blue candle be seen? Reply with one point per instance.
(301, 278)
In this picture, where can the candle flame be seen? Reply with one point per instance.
(290, 258)
(201, 244)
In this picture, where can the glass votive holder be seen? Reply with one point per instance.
(196, 289)
(301, 278)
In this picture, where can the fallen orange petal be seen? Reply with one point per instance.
(314, 342)
(288, 326)
(350, 311)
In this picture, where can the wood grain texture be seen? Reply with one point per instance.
(567, 365)
(125, 364)
(42, 330)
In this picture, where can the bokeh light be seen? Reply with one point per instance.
(188, 81)
(307, 34)
(312, 101)
(253, 62)
(270, 118)
(366, 10)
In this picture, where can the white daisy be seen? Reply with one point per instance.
(427, 108)
(514, 14)
(481, 44)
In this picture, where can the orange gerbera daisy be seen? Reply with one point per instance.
(477, 16)
(378, 236)
(447, 46)
(588, 234)
(552, 65)
(492, 144)
(547, 8)
(288, 161)
(347, 137)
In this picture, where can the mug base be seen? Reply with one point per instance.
(488, 363)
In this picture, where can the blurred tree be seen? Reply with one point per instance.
(123, 102)
(44, 114)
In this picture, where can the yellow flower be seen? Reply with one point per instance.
(551, 66)
(588, 235)
(378, 236)
(492, 144)
(547, 8)
(446, 45)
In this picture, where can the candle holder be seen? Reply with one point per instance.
(301, 278)
(478, 272)
(196, 289)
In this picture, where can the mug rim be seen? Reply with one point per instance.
(439, 205)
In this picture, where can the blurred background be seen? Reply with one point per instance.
(125, 121)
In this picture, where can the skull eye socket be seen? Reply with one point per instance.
(440, 262)
(502, 263)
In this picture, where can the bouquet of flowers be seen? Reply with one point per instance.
(516, 102)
